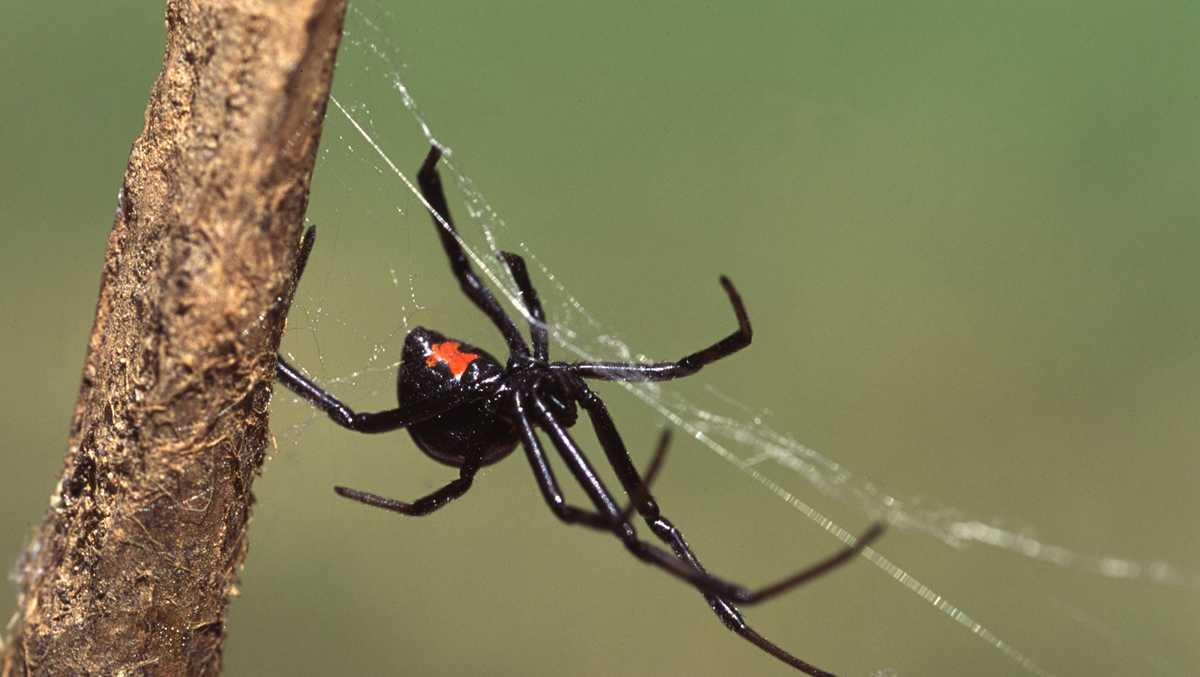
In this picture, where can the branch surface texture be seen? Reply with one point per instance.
(131, 570)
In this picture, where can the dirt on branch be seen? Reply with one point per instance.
(138, 554)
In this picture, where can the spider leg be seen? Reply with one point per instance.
(373, 422)
(729, 614)
(648, 477)
(548, 483)
(686, 566)
(306, 247)
(586, 475)
(748, 633)
(618, 457)
(422, 506)
(544, 475)
(686, 366)
(726, 612)
(529, 296)
(731, 617)
(431, 189)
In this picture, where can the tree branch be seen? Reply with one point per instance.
(132, 567)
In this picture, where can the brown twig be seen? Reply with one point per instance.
(125, 576)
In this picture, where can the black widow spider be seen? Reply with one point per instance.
(466, 410)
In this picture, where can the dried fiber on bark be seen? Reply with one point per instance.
(132, 568)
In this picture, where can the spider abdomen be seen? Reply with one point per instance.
(471, 431)
(434, 366)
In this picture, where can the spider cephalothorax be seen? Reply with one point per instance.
(466, 409)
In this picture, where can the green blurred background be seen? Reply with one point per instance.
(966, 233)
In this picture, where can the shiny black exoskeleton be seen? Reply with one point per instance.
(463, 408)
(472, 430)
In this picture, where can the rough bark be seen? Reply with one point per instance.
(133, 566)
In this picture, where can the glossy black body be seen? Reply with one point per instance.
(474, 430)
(464, 408)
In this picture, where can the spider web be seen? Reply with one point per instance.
(738, 433)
